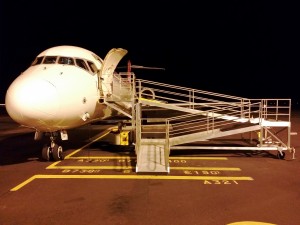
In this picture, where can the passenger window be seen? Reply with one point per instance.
(37, 61)
(66, 60)
(92, 66)
(81, 63)
(50, 60)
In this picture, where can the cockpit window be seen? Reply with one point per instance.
(66, 60)
(89, 66)
(37, 61)
(81, 63)
(92, 66)
(50, 59)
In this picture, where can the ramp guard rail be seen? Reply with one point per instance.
(213, 111)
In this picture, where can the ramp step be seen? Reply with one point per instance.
(151, 159)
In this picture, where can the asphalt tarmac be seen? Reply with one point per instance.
(97, 184)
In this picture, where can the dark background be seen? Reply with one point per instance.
(243, 48)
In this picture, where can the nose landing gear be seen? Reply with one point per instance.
(52, 151)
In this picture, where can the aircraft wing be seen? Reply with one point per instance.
(147, 67)
(142, 67)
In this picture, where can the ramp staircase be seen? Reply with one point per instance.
(123, 94)
(166, 117)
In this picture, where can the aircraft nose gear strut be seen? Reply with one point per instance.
(52, 151)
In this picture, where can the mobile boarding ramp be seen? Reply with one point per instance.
(205, 117)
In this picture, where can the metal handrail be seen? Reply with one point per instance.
(212, 107)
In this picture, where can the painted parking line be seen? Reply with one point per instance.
(207, 178)
(134, 157)
(136, 177)
(102, 134)
(55, 166)
(71, 155)
(126, 167)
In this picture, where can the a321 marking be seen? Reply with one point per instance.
(220, 182)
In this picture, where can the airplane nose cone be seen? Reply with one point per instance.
(31, 101)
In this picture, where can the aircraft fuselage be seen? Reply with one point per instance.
(60, 90)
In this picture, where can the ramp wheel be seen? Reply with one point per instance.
(280, 155)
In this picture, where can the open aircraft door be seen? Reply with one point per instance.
(110, 63)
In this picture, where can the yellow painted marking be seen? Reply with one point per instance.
(23, 183)
(250, 223)
(90, 167)
(134, 157)
(70, 156)
(137, 177)
(150, 100)
(73, 153)
(103, 157)
(207, 168)
(202, 158)
(96, 139)
(53, 166)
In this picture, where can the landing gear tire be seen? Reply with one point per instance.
(57, 153)
(46, 153)
(280, 155)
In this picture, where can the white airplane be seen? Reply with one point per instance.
(65, 87)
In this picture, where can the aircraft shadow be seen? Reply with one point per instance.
(19, 149)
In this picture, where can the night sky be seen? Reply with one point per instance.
(243, 48)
